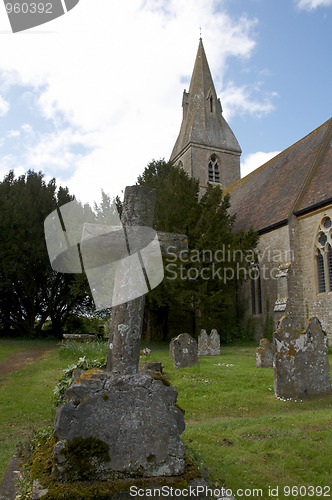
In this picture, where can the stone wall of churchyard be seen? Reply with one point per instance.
(315, 304)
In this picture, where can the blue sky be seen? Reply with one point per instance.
(91, 97)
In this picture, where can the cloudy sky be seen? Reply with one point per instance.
(91, 97)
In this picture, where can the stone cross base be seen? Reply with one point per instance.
(115, 426)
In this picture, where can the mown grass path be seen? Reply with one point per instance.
(29, 373)
(18, 360)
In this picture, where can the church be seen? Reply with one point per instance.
(288, 201)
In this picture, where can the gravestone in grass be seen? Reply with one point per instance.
(301, 365)
(184, 351)
(209, 345)
(121, 422)
(264, 357)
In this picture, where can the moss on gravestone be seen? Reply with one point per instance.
(41, 464)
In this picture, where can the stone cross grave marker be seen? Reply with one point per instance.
(134, 276)
(127, 421)
(127, 318)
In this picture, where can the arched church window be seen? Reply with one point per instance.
(324, 256)
(329, 265)
(256, 289)
(321, 273)
(211, 104)
(214, 174)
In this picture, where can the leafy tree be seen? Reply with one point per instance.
(30, 291)
(205, 284)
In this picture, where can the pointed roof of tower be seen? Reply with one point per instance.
(203, 122)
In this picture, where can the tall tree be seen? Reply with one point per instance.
(203, 283)
(30, 291)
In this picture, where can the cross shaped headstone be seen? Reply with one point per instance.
(127, 318)
(136, 251)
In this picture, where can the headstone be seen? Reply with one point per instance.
(301, 366)
(118, 426)
(184, 351)
(264, 357)
(122, 422)
(146, 352)
(209, 345)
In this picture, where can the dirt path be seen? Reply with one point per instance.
(19, 360)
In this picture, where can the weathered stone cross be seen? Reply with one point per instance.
(127, 318)
(133, 275)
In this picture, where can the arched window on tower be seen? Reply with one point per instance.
(214, 174)
(324, 256)
(211, 104)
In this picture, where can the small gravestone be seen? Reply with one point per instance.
(264, 358)
(301, 365)
(184, 351)
(209, 345)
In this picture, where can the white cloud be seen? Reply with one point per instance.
(247, 99)
(7, 163)
(54, 150)
(312, 4)
(4, 106)
(111, 78)
(27, 128)
(13, 133)
(252, 161)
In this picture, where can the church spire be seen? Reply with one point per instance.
(206, 146)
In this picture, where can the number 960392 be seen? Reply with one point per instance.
(29, 8)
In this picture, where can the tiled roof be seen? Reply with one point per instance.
(294, 181)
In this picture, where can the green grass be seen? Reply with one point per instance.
(235, 425)
(244, 435)
(11, 346)
(26, 397)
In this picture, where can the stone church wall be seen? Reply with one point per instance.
(315, 304)
(288, 273)
(274, 258)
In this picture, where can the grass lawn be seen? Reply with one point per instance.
(11, 346)
(235, 426)
(26, 396)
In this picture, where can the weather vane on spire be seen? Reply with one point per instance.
(200, 32)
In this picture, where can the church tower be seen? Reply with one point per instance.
(206, 147)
